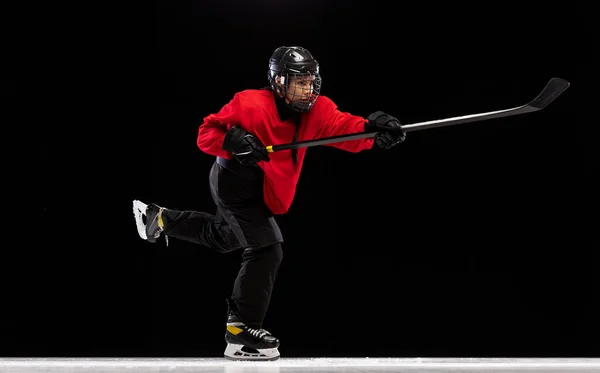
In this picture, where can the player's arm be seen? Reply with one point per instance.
(211, 132)
(336, 123)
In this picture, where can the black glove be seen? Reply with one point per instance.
(389, 131)
(246, 148)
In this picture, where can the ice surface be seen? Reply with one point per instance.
(300, 365)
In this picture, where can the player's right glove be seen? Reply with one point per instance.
(246, 148)
(389, 131)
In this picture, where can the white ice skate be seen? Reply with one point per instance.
(149, 221)
(246, 343)
(139, 212)
(241, 352)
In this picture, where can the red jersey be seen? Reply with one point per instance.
(256, 112)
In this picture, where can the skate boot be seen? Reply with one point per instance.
(246, 343)
(149, 221)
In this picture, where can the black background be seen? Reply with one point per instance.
(470, 240)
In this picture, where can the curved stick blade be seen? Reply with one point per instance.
(551, 91)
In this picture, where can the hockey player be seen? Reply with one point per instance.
(250, 186)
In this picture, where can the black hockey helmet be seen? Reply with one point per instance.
(290, 63)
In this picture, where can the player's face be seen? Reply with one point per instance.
(300, 88)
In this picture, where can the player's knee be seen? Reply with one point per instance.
(277, 253)
(272, 254)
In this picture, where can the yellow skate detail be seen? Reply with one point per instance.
(234, 329)
(161, 224)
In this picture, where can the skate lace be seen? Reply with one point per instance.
(161, 227)
(259, 333)
(157, 235)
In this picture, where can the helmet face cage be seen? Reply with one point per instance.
(300, 90)
(294, 74)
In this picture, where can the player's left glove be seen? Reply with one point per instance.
(390, 132)
(246, 148)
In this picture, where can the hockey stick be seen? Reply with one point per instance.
(551, 91)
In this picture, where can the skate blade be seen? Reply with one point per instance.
(139, 211)
(236, 352)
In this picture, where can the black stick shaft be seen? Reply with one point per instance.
(407, 128)
(550, 92)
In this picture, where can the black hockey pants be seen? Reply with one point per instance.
(242, 221)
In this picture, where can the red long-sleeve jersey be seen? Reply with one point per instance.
(256, 112)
